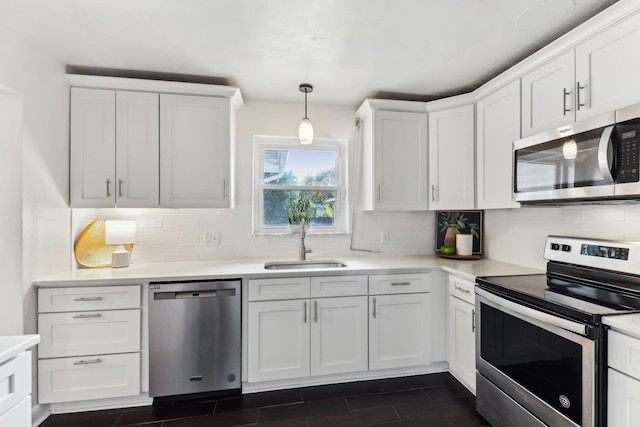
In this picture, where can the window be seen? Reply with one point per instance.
(284, 168)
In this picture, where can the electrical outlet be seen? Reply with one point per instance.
(384, 237)
(211, 238)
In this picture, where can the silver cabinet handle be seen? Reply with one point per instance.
(461, 289)
(433, 193)
(315, 311)
(87, 316)
(120, 182)
(578, 88)
(400, 283)
(378, 190)
(108, 188)
(473, 320)
(305, 312)
(374, 308)
(88, 299)
(87, 362)
(565, 93)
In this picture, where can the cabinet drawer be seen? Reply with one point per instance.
(52, 300)
(624, 353)
(337, 286)
(15, 381)
(89, 332)
(276, 289)
(463, 289)
(19, 415)
(399, 283)
(90, 377)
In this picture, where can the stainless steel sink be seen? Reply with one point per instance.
(293, 265)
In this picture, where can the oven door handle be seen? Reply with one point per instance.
(531, 313)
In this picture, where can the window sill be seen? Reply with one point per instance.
(308, 233)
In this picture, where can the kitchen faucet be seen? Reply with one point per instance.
(302, 250)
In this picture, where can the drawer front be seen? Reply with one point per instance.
(338, 286)
(624, 353)
(15, 381)
(52, 300)
(85, 378)
(463, 289)
(277, 289)
(399, 283)
(88, 332)
(18, 416)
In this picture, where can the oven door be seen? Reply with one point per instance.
(543, 363)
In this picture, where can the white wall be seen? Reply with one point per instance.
(176, 234)
(45, 151)
(518, 235)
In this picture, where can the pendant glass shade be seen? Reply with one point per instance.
(305, 132)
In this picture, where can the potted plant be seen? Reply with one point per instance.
(298, 207)
(454, 223)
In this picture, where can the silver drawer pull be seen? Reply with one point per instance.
(400, 283)
(461, 289)
(87, 316)
(88, 299)
(87, 362)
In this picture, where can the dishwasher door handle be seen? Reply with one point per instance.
(194, 294)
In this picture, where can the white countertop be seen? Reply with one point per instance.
(628, 324)
(12, 345)
(254, 268)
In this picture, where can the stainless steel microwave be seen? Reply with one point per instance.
(597, 159)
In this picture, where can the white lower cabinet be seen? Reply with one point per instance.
(461, 345)
(623, 389)
(90, 343)
(399, 330)
(19, 415)
(15, 390)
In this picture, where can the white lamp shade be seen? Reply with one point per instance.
(305, 132)
(119, 231)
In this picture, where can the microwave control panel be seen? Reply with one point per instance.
(628, 155)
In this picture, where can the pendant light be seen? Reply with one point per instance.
(305, 133)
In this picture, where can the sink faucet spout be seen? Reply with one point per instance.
(302, 250)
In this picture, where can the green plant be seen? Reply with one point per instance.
(458, 221)
(298, 207)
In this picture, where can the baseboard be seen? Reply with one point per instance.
(100, 404)
(39, 413)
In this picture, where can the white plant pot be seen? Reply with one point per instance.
(464, 244)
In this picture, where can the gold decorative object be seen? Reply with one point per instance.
(91, 250)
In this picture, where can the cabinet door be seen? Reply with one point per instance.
(498, 125)
(278, 340)
(461, 346)
(548, 95)
(399, 330)
(195, 152)
(451, 158)
(400, 160)
(338, 335)
(607, 70)
(137, 150)
(623, 397)
(93, 148)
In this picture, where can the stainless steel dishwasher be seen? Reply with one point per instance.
(194, 337)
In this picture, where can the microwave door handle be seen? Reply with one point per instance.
(603, 154)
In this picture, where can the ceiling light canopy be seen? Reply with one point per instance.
(305, 133)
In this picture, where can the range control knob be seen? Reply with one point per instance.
(555, 246)
(566, 248)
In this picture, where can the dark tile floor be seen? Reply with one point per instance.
(435, 400)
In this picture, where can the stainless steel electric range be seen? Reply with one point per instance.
(541, 344)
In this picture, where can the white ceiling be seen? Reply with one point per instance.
(347, 49)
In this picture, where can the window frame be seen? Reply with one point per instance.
(266, 142)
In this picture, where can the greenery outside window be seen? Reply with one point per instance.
(285, 169)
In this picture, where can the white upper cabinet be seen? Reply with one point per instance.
(147, 143)
(93, 148)
(548, 95)
(498, 125)
(137, 153)
(195, 156)
(394, 139)
(451, 158)
(606, 67)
